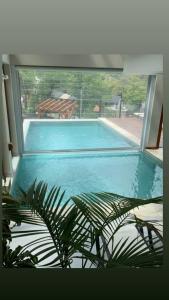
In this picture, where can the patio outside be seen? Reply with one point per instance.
(85, 94)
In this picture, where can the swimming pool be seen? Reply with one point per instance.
(69, 135)
(132, 174)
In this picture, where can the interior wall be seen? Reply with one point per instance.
(155, 113)
(84, 61)
(143, 64)
(10, 108)
(5, 59)
(6, 155)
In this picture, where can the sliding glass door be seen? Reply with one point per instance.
(80, 109)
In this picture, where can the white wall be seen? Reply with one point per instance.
(10, 105)
(143, 64)
(5, 59)
(155, 113)
(131, 64)
(88, 61)
(6, 154)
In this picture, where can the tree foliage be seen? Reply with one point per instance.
(39, 84)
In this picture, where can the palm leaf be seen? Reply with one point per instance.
(66, 226)
(86, 224)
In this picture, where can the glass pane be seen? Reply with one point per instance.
(108, 105)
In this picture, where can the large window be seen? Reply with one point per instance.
(52, 94)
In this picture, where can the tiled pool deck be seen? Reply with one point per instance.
(131, 128)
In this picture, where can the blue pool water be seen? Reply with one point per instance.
(132, 174)
(72, 135)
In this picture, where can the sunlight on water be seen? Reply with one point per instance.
(72, 135)
(130, 174)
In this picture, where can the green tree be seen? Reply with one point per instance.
(92, 86)
(135, 90)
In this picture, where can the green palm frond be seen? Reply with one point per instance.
(84, 226)
(18, 259)
(135, 254)
(66, 227)
(104, 208)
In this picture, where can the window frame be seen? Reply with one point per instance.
(18, 107)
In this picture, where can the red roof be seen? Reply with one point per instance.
(56, 105)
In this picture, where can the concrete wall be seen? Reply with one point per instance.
(132, 64)
(5, 59)
(143, 64)
(6, 155)
(84, 61)
(155, 113)
(10, 107)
